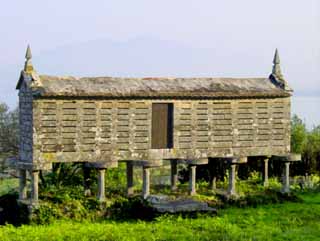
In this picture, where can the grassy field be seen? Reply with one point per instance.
(289, 221)
(7, 185)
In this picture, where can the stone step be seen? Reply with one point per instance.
(163, 205)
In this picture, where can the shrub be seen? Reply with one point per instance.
(132, 208)
(12, 212)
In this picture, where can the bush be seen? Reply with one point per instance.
(132, 208)
(270, 196)
(12, 212)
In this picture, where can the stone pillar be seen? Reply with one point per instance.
(34, 186)
(232, 180)
(192, 180)
(174, 175)
(22, 184)
(86, 180)
(286, 181)
(212, 172)
(213, 183)
(265, 174)
(101, 185)
(146, 182)
(130, 178)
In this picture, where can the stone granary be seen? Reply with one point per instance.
(144, 121)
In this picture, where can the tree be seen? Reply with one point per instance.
(308, 144)
(311, 151)
(298, 135)
(9, 129)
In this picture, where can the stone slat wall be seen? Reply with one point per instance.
(90, 130)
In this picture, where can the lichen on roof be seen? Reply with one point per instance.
(156, 87)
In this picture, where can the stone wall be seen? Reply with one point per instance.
(26, 125)
(84, 130)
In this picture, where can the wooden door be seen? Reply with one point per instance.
(162, 126)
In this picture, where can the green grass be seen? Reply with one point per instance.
(288, 221)
(7, 185)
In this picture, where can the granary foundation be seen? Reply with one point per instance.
(288, 159)
(233, 162)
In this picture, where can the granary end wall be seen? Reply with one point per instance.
(111, 130)
(26, 125)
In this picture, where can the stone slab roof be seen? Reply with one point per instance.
(46, 85)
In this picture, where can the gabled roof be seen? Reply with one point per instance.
(156, 87)
(45, 85)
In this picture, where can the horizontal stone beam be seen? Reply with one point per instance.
(34, 166)
(193, 161)
(237, 160)
(146, 163)
(291, 157)
(102, 165)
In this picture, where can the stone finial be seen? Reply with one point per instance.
(28, 67)
(276, 70)
(276, 59)
(276, 75)
(28, 53)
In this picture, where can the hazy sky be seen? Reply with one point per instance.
(167, 37)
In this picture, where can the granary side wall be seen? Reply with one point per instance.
(26, 125)
(92, 130)
(234, 127)
(112, 130)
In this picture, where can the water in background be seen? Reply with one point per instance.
(307, 108)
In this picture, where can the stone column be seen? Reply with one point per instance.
(34, 186)
(130, 178)
(213, 183)
(22, 184)
(232, 180)
(266, 175)
(101, 185)
(192, 180)
(174, 175)
(86, 180)
(286, 181)
(146, 182)
(212, 172)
